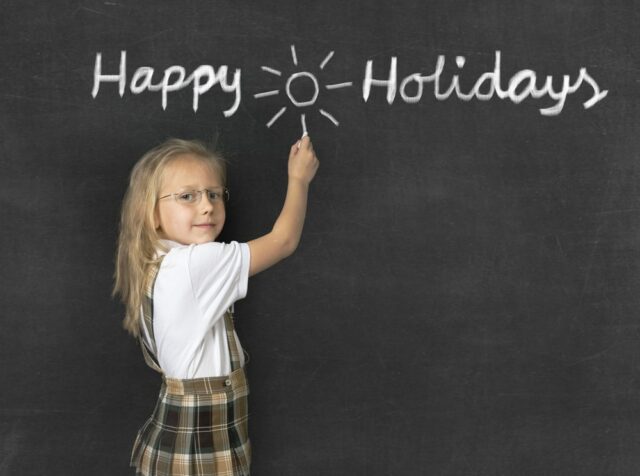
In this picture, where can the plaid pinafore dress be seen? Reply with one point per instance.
(199, 426)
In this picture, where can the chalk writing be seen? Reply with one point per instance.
(522, 85)
(174, 78)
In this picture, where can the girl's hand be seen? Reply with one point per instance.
(303, 162)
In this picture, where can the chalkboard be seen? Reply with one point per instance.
(464, 299)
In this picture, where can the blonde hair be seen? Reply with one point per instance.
(138, 238)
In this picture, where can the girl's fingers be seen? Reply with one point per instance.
(303, 143)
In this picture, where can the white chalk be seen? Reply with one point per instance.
(303, 135)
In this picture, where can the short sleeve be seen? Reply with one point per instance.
(219, 275)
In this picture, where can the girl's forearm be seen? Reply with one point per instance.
(288, 226)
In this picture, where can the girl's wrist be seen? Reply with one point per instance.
(298, 180)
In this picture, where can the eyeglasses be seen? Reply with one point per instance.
(193, 197)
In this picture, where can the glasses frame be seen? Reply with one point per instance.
(225, 196)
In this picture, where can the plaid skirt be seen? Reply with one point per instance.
(199, 427)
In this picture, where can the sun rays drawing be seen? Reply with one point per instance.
(296, 102)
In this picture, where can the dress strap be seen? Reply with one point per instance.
(234, 353)
(149, 349)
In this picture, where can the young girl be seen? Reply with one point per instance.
(178, 286)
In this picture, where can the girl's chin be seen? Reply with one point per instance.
(209, 238)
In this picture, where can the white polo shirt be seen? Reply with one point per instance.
(196, 284)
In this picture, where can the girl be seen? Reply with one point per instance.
(177, 284)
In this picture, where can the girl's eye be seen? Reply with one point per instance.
(214, 196)
(186, 197)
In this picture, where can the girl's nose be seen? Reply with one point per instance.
(205, 203)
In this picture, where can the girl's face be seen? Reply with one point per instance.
(199, 222)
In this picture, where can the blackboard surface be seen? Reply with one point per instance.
(464, 300)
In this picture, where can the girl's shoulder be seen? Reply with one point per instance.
(173, 246)
(202, 252)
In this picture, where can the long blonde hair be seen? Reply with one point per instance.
(138, 239)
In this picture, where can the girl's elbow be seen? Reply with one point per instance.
(288, 249)
(284, 248)
(286, 244)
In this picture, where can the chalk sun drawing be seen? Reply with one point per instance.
(295, 101)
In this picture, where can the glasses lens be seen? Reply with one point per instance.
(218, 194)
(187, 197)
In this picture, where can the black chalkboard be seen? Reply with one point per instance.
(464, 299)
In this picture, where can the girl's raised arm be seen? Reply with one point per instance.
(285, 235)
